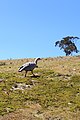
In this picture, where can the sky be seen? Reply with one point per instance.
(30, 28)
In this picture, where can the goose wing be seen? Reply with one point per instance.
(27, 66)
(23, 67)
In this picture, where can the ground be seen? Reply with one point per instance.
(53, 94)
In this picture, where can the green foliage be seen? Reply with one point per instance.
(68, 45)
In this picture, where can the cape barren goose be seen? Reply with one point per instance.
(29, 66)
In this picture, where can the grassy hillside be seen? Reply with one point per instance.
(54, 94)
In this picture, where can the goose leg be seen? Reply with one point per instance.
(25, 73)
(32, 73)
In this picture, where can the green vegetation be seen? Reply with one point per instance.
(68, 45)
(50, 88)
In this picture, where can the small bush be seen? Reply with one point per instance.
(2, 63)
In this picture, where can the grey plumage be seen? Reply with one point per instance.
(29, 66)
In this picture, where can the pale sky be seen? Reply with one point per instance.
(30, 28)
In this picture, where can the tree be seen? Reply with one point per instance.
(68, 45)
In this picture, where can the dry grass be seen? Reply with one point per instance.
(54, 94)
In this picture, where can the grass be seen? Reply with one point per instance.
(56, 88)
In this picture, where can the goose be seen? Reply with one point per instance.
(29, 66)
